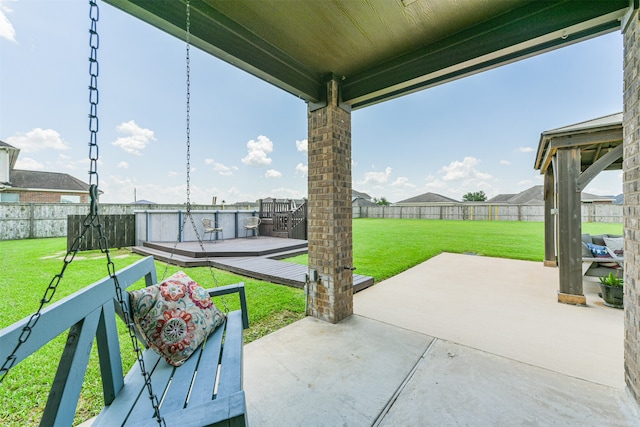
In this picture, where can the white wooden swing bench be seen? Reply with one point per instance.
(206, 390)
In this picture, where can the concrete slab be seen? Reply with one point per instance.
(505, 307)
(314, 373)
(506, 354)
(458, 385)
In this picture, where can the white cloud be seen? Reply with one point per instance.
(123, 165)
(221, 168)
(257, 152)
(136, 139)
(525, 149)
(38, 139)
(286, 193)
(302, 145)
(460, 177)
(377, 178)
(435, 184)
(463, 170)
(525, 182)
(302, 169)
(6, 27)
(172, 173)
(402, 182)
(272, 173)
(29, 164)
(66, 162)
(505, 162)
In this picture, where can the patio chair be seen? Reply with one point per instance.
(211, 227)
(251, 223)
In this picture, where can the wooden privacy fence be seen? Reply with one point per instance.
(120, 231)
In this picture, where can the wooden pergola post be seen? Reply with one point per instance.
(569, 227)
(550, 259)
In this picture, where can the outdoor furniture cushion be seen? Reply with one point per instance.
(616, 244)
(599, 251)
(175, 317)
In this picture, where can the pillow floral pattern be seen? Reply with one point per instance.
(175, 317)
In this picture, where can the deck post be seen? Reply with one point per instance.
(631, 189)
(330, 296)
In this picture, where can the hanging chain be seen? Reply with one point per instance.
(188, 108)
(94, 211)
(46, 298)
(92, 220)
(188, 143)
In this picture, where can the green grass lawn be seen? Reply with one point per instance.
(28, 267)
(382, 248)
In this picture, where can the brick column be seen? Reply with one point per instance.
(631, 169)
(330, 298)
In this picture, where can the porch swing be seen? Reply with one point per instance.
(200, 387)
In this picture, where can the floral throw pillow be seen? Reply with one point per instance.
(174, 317)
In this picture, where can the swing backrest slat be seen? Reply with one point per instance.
(90, 313)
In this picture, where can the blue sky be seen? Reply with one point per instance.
(248, 138)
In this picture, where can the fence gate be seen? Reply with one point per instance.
(120, 231)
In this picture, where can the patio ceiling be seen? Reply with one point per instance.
(378, 49)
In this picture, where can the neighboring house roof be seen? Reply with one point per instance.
(143, 202)
(588, 197)
(535, 196)
(359, 201)
(428, 198)
(47, 180)
(355, 194)
(500, 198)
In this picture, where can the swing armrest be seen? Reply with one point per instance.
(230, 289)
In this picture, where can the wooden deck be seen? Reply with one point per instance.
(255, 257)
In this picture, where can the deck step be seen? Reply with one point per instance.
(257, 258)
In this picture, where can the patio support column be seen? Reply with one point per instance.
(569, 227)
(631, 189)
(330, 296)
(550, 259)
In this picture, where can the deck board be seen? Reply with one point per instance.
(255, 257)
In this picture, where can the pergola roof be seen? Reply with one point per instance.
(598, 139)
(378, 49)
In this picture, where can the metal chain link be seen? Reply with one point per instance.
(91, 220)
(46, 298)
(188, 143)
(94, 42)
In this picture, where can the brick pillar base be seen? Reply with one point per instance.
(330, 298)
(631, 169)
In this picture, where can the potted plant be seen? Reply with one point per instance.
(612, 290)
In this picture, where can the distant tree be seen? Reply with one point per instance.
(382, 201)
(477, 196)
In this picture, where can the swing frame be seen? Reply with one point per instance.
(216, 394)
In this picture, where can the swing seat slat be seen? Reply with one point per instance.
(90, 313)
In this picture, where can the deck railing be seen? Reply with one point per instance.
(283, 218)
(270, 207)
(294, 223)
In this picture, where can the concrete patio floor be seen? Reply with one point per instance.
(456, 340)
